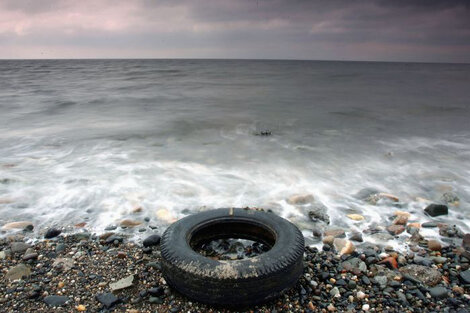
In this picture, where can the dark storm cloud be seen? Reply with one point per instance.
(418, 30)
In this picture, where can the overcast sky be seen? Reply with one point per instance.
(390, 30)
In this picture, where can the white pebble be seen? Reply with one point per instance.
(365, 307)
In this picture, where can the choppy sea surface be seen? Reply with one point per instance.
(92, 140)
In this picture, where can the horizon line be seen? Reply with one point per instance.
(232, 59)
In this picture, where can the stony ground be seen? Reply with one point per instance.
(79, 272)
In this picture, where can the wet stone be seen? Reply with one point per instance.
(424, 274)
(19, 271)
(107, 299)
(436, 210)
(52, 232)
(465, 276)
(56, 300)
(438, 292)
(19, 247)
(152, 240)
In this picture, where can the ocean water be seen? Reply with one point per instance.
(92, 140)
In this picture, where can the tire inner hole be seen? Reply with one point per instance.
(231, 240)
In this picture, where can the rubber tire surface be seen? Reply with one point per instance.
(234, 283)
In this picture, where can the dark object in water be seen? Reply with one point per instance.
(234, 283)
(436, 210)
(264, 133)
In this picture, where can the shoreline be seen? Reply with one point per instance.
(77, 272)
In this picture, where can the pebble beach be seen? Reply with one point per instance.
(73, 270)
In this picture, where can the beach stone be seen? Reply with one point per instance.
(424, 274)
(18, 272)
(438, 292)
(156, 291)
(60, 247)
(356, 236)
(400, 220)
(3, 255)
(382, 236)
(328, 240)
(343, 246)
(56, 300)
(30, 254)
(25, 225)
(155, 300)
(439, 260)
(334, 292)
(429, 224)
(107, 299)
(365, 193)
(65, 264)
(355, 217)
(466, 242)
(335, 232)
(465, 276)
(402, 213)
(318, 212)
(52, 232)
(19, 247)
(381, 281)
(447, 230)
(395, 229)
(458, 289)
(434, 245)
(122, 283)
(151, 240)
(354, 265)
(129, 223)
(300, 199)
(436, 210)
(450, 197)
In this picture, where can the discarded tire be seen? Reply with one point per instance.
(238, 282)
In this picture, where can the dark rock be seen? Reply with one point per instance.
(465, 276)
(155, 300)
(438, 292)
(110, 227)
(152, 240)
(429, 225)
(436, 210)
(56, 300)
(107, 299)
(156, 291)
(52, 232)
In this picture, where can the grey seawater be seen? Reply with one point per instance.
(91, 140)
